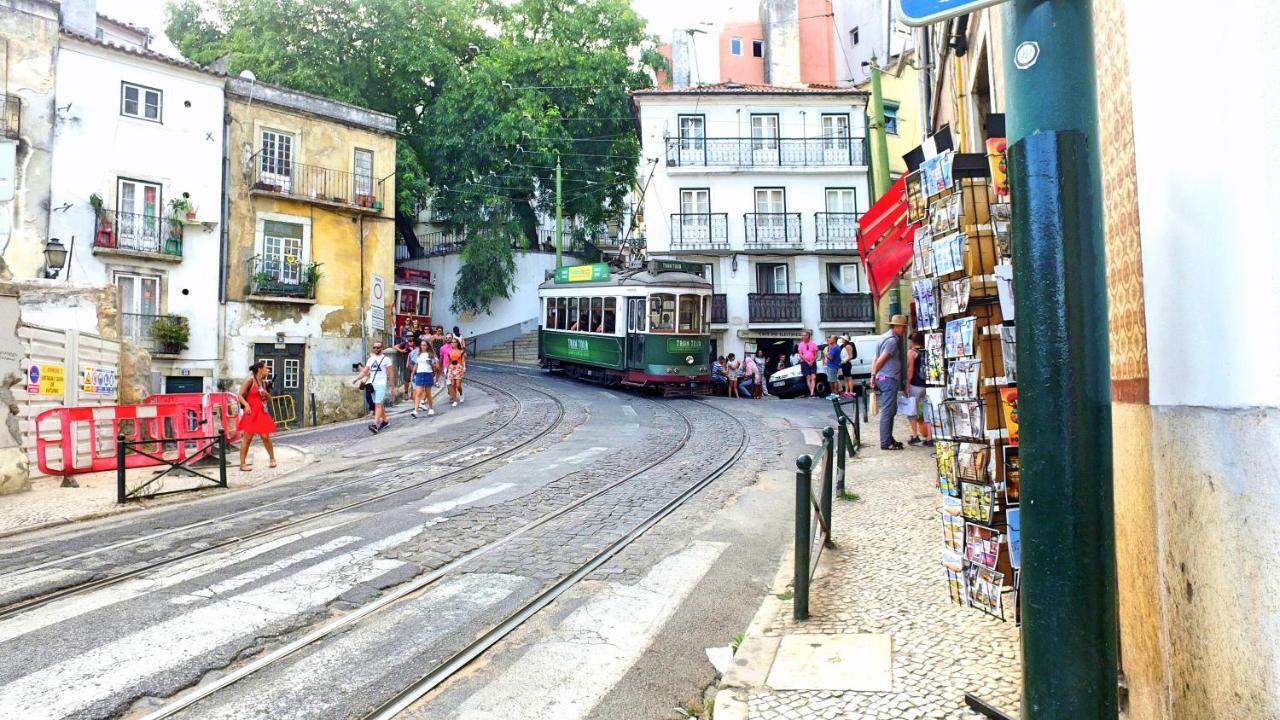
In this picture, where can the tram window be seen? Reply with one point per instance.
(424, 303)
(706, 311)
(573, 314)
(597, 315)
(562, 313)
(408, 301)
(690, 312)
(662, 313)
(584, 314)
(635, 314)
(550, 322)
(610, 315)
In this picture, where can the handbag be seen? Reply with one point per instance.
(906, 405)
(873, 406)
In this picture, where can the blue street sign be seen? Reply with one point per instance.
(925, 12)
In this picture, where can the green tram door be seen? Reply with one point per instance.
(635, 332)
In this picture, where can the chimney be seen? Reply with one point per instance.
(80, 16)
(781, 21)
(680, 67)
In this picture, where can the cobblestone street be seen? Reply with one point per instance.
(885, 576)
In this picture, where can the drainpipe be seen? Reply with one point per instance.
(364, 331)
(224, 237)
(1068, 524)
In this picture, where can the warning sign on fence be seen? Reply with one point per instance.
(46, 379)
(100, 381)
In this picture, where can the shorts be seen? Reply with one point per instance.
(455, 372)
(379, 394)
(424, 380)
(847, 370)
(916, 392)
(806, 369)
(832, 372)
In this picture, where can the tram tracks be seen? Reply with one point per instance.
(442, 671)
(27, 604)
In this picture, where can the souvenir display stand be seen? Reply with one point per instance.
(961, 277)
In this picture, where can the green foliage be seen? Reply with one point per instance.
(488, 267)
(171, 332)
(850, 495)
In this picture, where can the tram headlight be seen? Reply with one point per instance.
(688, 359)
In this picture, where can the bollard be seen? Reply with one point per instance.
(222, 459)
(829, 451)
(120, 489)
(800, 600)
(842, 447)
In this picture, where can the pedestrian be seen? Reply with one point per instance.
(733, 372)
(406, 348)
(718, 379)
(831, 357)
(920, 431)
(886, 371)
(256, 418)
(763, 368)
(751, 374)
(457, 369)
(424, 378)
(380, 372)
(848, 353)
(807, 351)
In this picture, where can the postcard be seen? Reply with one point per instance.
(935, 173)
(1009, 351)
(945, 455)
(955, 296)
(1014, 537)
(915, 198)
(922, 253)
(963, 380)
(977, 501)
(959, 340)
(972, 462)
(953, 533)
(926, 304)
(986, 588)
(981, 545)
(1012, 475)
(1009, 411)
(948, 253)
(956, 587)
(1004, 287)
(934, 367)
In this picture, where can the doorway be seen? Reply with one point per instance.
(184, 384)
(286, 365)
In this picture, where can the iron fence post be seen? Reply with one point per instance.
(800, 601)
(120, 490)
(222, 458)
(842, 448)
(829, 449)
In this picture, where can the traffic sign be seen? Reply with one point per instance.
(925, 12)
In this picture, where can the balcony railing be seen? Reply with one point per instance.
(139, 232)
(12, 116)
(773, 307)
(311, 182)
(700, 231)
(773, 230)
(765, 152)
(847, 307)
(836, 230)
(136, 327)
(285, 278)
(719, 309)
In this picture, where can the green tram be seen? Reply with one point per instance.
(642, 326)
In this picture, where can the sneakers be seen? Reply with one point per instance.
(373, 428)
(914, 440)
(833, 396)
(432, 411)
(460, 398)
(455, 403)
(928, 443)
(414, 413)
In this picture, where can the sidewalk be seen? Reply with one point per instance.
(880, 619)
(48, 504)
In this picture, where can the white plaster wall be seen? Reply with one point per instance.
(521, 307)
(94, 145)
(1211, 256)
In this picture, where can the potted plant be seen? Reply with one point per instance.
(171, 333)
(377, 205)
(311, 278)
(105, 234)
(182, 208)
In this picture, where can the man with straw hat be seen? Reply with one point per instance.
(886, 372)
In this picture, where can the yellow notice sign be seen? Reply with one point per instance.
(580, 273)
(46, 379)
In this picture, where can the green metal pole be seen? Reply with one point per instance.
(879, 144)
(559, 224)
(1068, 581)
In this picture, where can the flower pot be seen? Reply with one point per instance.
(170, 349)
(191, 214)
(377, 204)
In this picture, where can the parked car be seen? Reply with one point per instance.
(788, 382)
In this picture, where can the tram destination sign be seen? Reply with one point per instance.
(924, 12)
(595, 272)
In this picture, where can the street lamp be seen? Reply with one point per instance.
(55, 258)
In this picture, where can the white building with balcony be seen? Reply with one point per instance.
(140, 135)
(763, 185)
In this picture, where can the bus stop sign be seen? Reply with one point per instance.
(924, 12)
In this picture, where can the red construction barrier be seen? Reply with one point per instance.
(83, 439)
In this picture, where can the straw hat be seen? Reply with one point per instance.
(898, 320)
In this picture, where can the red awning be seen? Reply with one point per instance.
(885, 239)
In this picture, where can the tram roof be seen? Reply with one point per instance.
(640, 277)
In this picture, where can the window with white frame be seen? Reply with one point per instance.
(292, 373)
(771, 278)
(692, 132)
(277, 158)
(842, 200)
(284, 251)
(139, 303)
(853, 36)
(764, 132)
(695, 214)
(363, 171)
(141, 102)
(835, 131)
(735, 46)
(844, 278)
(891, 117)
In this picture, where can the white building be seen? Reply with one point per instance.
(763, 185)
(142, 132)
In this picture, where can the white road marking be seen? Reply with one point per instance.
(235, 583)
(74, 684)
(812, 436)
(565, 676)
(303, 689)
(468, 454)
(628, 410)
(473, 496)
(76, 605)
(39, 577)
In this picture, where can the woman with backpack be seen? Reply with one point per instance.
(379, 371)
(256, 418)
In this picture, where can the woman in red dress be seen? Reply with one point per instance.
(255, 420)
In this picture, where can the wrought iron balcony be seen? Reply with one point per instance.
(773, 230)
(773, 307)
(12, 120)
(272, 174)
(836, 231)
(137, 327)
(283, 278)
(847, 307)
(137, 232)
(700, 231)
(765, 152)
(719, 309)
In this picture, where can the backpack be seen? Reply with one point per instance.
(852, 351)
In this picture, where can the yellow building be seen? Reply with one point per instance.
(311, 251)
(900, 86)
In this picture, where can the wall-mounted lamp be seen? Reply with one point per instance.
(280, 341)
(733, 263)
(55, 258)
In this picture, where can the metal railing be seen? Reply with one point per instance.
(137, 328)
(773, 307)
(765, 152)
(313, 182)
(154, 449)
(12, 120)
(284, 411)
(699, 231)
(139, 232)
(281, 278)
(846, 307)
(836, 230)
(812, 537)
(719, 309)
(773, 230)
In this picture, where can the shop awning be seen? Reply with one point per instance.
(885, 239)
